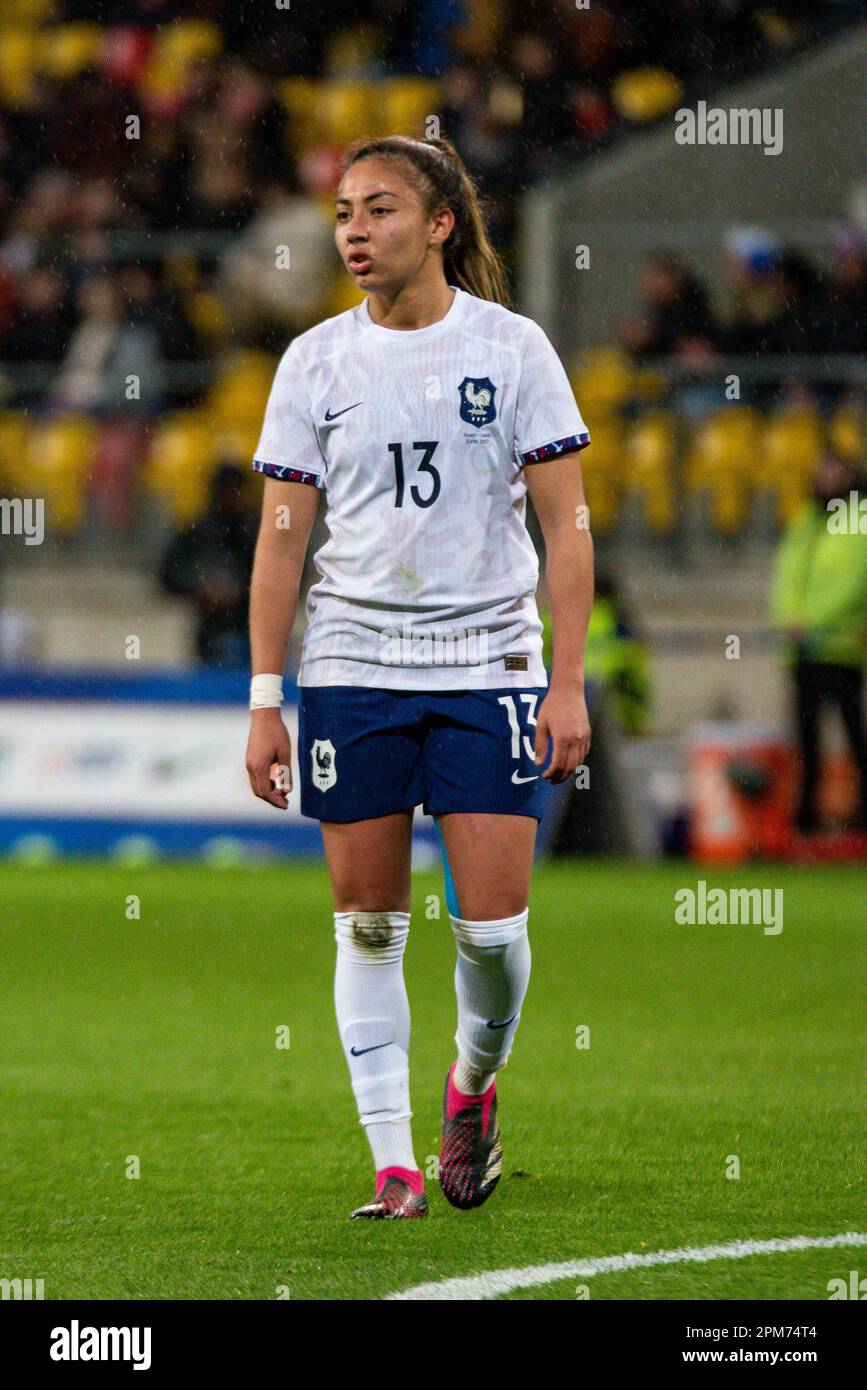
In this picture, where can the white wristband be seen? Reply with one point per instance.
(266, 692)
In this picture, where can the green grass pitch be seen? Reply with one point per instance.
(157, 1038)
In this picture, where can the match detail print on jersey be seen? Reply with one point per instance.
(420, 439)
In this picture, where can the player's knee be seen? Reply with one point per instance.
(372, 936)
(500, 931)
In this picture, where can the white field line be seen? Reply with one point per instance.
(495, 1282)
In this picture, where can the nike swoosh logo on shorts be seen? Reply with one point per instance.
(329, 416)
(516, 778)
(491, 1023)
(360, 1051)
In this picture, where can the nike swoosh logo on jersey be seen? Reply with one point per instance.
(516, 779)
(329, 416)
(360, 1051)
(491, 1023)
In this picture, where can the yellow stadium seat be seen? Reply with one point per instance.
(648, 385)
(237, 444)
(791, 446)
(722, 464)
(651, 452)
(479, 31)
(65, 495)
(19, 56)
(240, 393)
(506, 102)
(186, 41)
(66, 50)
(182, 271)
(59, 454)
(726, 441)
(324, 205)
(652, 445)
(160, 81)
(343, 294)
(67, 442)
(792, 443)
(14, 431)
(644, 94)
(300, 96)
(404, 105)
(346, 111)
(779, 31)
(207, 313)
(847, 434)
(179, 45)
(347, 50)
(29, 11)
(603, 381)
(602, 471)
(180, 463)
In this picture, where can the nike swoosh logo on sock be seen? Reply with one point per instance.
(491, 1023)
(360, 1051)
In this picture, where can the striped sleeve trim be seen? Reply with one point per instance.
(555, 448)
(286, 474)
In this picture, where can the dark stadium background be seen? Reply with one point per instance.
(158, 159)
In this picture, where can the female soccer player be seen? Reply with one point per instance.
(426, 414)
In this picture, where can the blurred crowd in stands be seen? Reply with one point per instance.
(143, 252)
(218, 151)
(776, 301)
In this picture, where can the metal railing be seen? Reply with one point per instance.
(812, 368)
(31, 379)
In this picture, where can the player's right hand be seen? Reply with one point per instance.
(269, 757)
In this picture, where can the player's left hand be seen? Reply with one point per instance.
(562, 718)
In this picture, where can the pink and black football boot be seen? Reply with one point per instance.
(399, 1195)
(471, 1153)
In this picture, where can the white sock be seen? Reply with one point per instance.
(469, 1081)
(372, 1010)
(391, 1144)
(491, 977)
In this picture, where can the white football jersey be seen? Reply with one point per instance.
(420, 439)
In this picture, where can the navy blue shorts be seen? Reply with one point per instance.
(370, 752)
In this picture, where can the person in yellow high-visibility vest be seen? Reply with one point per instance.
(614, 655)
(819, 601)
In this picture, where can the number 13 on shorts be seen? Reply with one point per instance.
(529, 699)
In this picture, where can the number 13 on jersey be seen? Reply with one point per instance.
(425, 466)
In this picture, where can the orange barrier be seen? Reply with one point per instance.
(742, 787)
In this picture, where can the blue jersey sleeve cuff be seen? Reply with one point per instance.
(569, 445)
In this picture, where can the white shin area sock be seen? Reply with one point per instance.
(373, 1019)
(491, 977)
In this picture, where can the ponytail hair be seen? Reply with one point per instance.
(441, 178)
